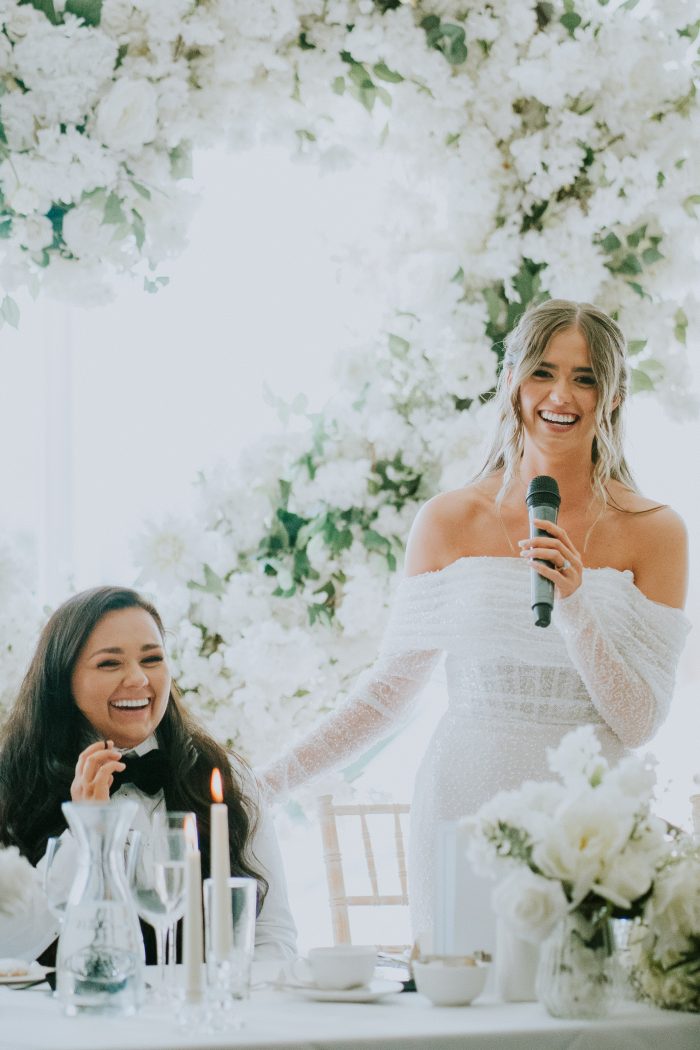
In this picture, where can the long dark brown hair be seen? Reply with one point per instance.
(45, 733)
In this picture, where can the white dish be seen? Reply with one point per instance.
(34, 972)
(367, 993)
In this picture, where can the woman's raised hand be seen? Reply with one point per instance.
(558, 549)
(94, 771)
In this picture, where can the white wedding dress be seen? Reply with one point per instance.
(608, 658)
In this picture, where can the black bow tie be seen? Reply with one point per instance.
(147, 772)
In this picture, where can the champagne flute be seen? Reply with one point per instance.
(177, 820)
(158, 886)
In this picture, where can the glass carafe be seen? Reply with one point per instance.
(100, 965)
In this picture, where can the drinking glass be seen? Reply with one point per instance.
(158, 885)
(229, 958)
(57, 876)
(186, 822)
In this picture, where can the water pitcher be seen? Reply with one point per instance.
(100, 965)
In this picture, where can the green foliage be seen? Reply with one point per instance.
(114, 214)
(9, 311)
(153, 286)
(399, 481)
(89, 10)
(213, 583)
(571, 19)
(360, 84)
(680, 329)
(181, 161)
(505, 312)
(629, 258)
(447, 38)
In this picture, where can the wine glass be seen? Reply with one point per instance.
(158, 885)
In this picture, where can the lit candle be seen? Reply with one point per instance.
(221, 916)
(192, 932)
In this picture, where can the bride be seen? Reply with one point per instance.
(619, 567)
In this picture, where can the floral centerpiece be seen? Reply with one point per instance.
(575, 854)
(665, 949)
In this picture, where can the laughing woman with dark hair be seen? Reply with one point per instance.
(98, 692)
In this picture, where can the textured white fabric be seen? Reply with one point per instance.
(608, 658)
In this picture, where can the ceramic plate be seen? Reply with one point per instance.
(33, 972)
(368, 993)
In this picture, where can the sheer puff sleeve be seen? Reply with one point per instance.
(625, 647)
(383, 697)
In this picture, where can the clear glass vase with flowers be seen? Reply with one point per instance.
(573, 855)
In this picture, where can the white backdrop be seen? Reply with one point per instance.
(107, 415)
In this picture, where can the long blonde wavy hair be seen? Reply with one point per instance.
(525, 347)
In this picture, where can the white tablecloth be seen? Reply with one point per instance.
(32, 1020)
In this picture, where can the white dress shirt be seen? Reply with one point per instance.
(27, 934)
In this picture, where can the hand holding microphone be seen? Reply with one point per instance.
(554, 559)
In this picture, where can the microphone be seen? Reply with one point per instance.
(542, 501)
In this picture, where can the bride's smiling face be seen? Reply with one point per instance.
(121, 680)
(558, 401)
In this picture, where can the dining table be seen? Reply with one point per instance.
(276, 1018)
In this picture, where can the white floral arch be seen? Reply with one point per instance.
(527, 150)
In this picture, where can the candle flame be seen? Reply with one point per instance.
(191, 832)
(216, 787)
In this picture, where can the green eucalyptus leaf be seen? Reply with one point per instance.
(9, 310)
(181, 161)
(680, 326)
(636, 237)
(635, 346)
(611, 243)
(630, 264)
(89, 10)
(139, 229)
(690, 204)
(114, 214)
(640, 381)
(382, 71)
(651, 255)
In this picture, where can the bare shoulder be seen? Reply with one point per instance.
(441, 528)
(658, 544)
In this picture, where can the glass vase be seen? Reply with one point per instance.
(576, 975)
(100, 963)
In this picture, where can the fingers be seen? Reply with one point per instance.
(554, 557)
(94, 771)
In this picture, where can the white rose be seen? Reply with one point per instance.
(34, 233)
(127, 117)
(531, 905)
(584, 836)
(626, 879)
(85, 233)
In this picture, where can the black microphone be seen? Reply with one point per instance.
(542, 501)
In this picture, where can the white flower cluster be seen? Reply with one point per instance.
(510, 152)
(513, 152)
(666, 948)
(588, 842)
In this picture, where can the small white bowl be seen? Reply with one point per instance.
(450, 982)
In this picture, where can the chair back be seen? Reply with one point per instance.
(340, 901)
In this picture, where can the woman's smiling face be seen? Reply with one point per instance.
(558, 400)
(121, 679)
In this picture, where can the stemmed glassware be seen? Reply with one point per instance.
(158, 882)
